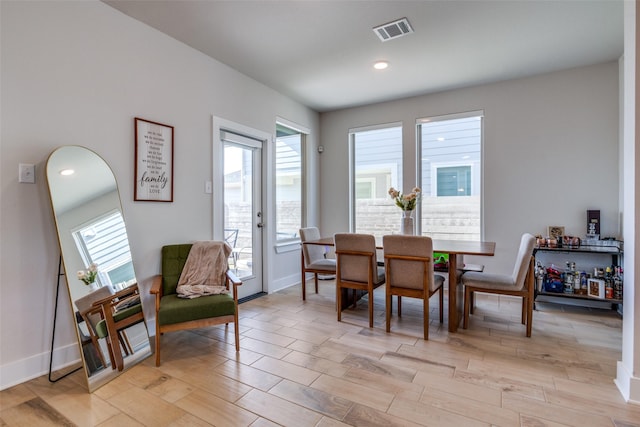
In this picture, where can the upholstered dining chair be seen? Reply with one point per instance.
(314, 259)
(408, 262)
(520, 283)
(357, 268)
(174, 313)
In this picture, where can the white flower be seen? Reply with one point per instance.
(88, 276)
(406, 202)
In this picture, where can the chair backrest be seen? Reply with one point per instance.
(353, 267)
(173, 259)
(527, 243)
(85, 302)
(312, 253)
(231, 236)
(409, 273)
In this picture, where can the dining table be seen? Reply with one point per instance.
(456, 249)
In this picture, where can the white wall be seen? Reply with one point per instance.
(628, 372)
(550, 153)
(78, 73)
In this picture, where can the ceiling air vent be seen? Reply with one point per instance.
(393, 30)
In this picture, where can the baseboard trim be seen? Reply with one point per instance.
(22, 370)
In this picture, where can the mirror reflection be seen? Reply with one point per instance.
(97, 263)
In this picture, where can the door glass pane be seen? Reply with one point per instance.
(238, 207)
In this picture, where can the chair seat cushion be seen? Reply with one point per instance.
(178, 310)
(101, 327)
(489, 281)
(324, 265)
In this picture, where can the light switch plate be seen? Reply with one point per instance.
(27, 173)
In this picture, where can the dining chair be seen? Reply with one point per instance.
(314, 258)
(520, 283)
(408, 262)
(357, 268)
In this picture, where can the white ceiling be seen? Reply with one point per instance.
(321, 53)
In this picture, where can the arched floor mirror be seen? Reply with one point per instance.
(112, 333)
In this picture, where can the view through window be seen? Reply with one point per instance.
(289, 182)
(104, 241)
(450, 165)
(376, 165)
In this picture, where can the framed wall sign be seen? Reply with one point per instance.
(153, 161)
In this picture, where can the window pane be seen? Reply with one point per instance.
(289, 155)
(105, 242)
(378, 166)
(450, 165)
(454, 181)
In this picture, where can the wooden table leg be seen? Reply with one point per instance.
(456, 297)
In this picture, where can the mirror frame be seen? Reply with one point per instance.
(97, 185)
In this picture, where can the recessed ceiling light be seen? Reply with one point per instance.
(380, 65)
(66, 172)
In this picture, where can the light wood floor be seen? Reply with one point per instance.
(299, 367)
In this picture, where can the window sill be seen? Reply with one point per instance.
(288, 246)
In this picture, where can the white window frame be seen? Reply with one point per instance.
(304, 132)
(352, 165)
(446, 117)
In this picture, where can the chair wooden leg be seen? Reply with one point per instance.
(124, 341)
(370, 307)
(425, 317)
(472, 302)
(157, 341)
(304, 287)
(524, 310)
(441, 302)
(315, 279)
(339, 302)
(388, 307)
(399, 306)
(529, 315)
(236, 332)
(112, 358)
(96, 345)
(467, 296)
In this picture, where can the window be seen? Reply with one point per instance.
(104, 241)
(454, 181)
(289, 174)
(450, 165)
(376, 165)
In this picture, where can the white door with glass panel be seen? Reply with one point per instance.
(243, 217)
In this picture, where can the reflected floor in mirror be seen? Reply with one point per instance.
(299, 367)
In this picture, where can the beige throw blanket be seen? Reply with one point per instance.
(204, 272)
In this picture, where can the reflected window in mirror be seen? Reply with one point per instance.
(104, 241)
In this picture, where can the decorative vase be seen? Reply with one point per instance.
(406, 223)
(94, 286)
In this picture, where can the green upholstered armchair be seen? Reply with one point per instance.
(174, 313)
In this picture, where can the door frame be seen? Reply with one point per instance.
(217, 180)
